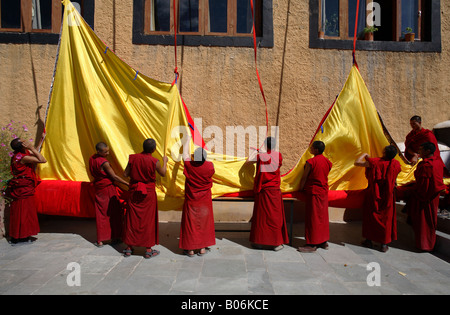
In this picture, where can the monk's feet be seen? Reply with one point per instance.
(324, 245)
(278, 248)
(307, 249)
(98, 244)
(367, 243)
(189, 253)
(150, 253)
(384, 248)
(203, 251)
(127, 252)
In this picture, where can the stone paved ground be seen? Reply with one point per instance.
(231, 268)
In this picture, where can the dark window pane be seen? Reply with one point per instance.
(410, 12)
(10, 13)
(330, 17)
(41, 14)
(244, 17)
(218, 16)
(352, 4)
(160, 15)
(188, 16)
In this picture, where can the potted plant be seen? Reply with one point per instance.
(368, 32)
(409, 35)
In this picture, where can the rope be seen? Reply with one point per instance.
(355, 34)
(256, 67)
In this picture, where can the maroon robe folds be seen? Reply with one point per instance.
(141, 219)
(268, 220)
(379, 214)
(23, 221)
(415, 138)
(317, 229)
(424, 201)
(108, 210)
(197, 221)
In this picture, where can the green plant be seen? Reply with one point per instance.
(408, 30)
(8, 133)
(370, 29)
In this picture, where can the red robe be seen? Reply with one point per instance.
(108, 211)
(23, 221)
(268, 220)
(141, 219)
(197, 221)
(415, 138)
(379, 214)
(423, 204)
(317, 229)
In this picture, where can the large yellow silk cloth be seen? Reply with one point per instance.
(97, 97)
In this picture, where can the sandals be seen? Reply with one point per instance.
(127, 252)
(151, 254)
(207, 250)
(186, 252)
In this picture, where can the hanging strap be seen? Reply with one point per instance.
(256, 66)
(175, 45)
(355, 34)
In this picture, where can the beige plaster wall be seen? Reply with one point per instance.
(220, 86)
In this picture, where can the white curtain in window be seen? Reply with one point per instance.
(152, 15)
(36, 21)
(322, 23)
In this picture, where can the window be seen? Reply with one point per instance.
(335, 22)
(203, 22)
(40, 20)
(201, 17)
(338, 18)
(30, 16)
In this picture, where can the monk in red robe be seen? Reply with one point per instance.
(416, 137)
(23, 222)
(141, 219)
(197, 221)
(315, 184)
(108, 210)
(268, 221)
(379, 214)
(423, 201)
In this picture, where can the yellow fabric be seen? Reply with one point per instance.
(351, 128)
(98, 97)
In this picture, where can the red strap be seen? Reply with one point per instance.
(175, 31)
(256, 66)
(355, 34)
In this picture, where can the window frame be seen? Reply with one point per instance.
(264, 38)
(26, 34)
(433, 45)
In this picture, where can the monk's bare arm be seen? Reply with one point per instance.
(252, 157)
(108, 170)
(126, 173)
(306, 172)
(36, 156)
(162, 169)
(362, 160)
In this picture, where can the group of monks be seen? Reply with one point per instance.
(138, 225)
